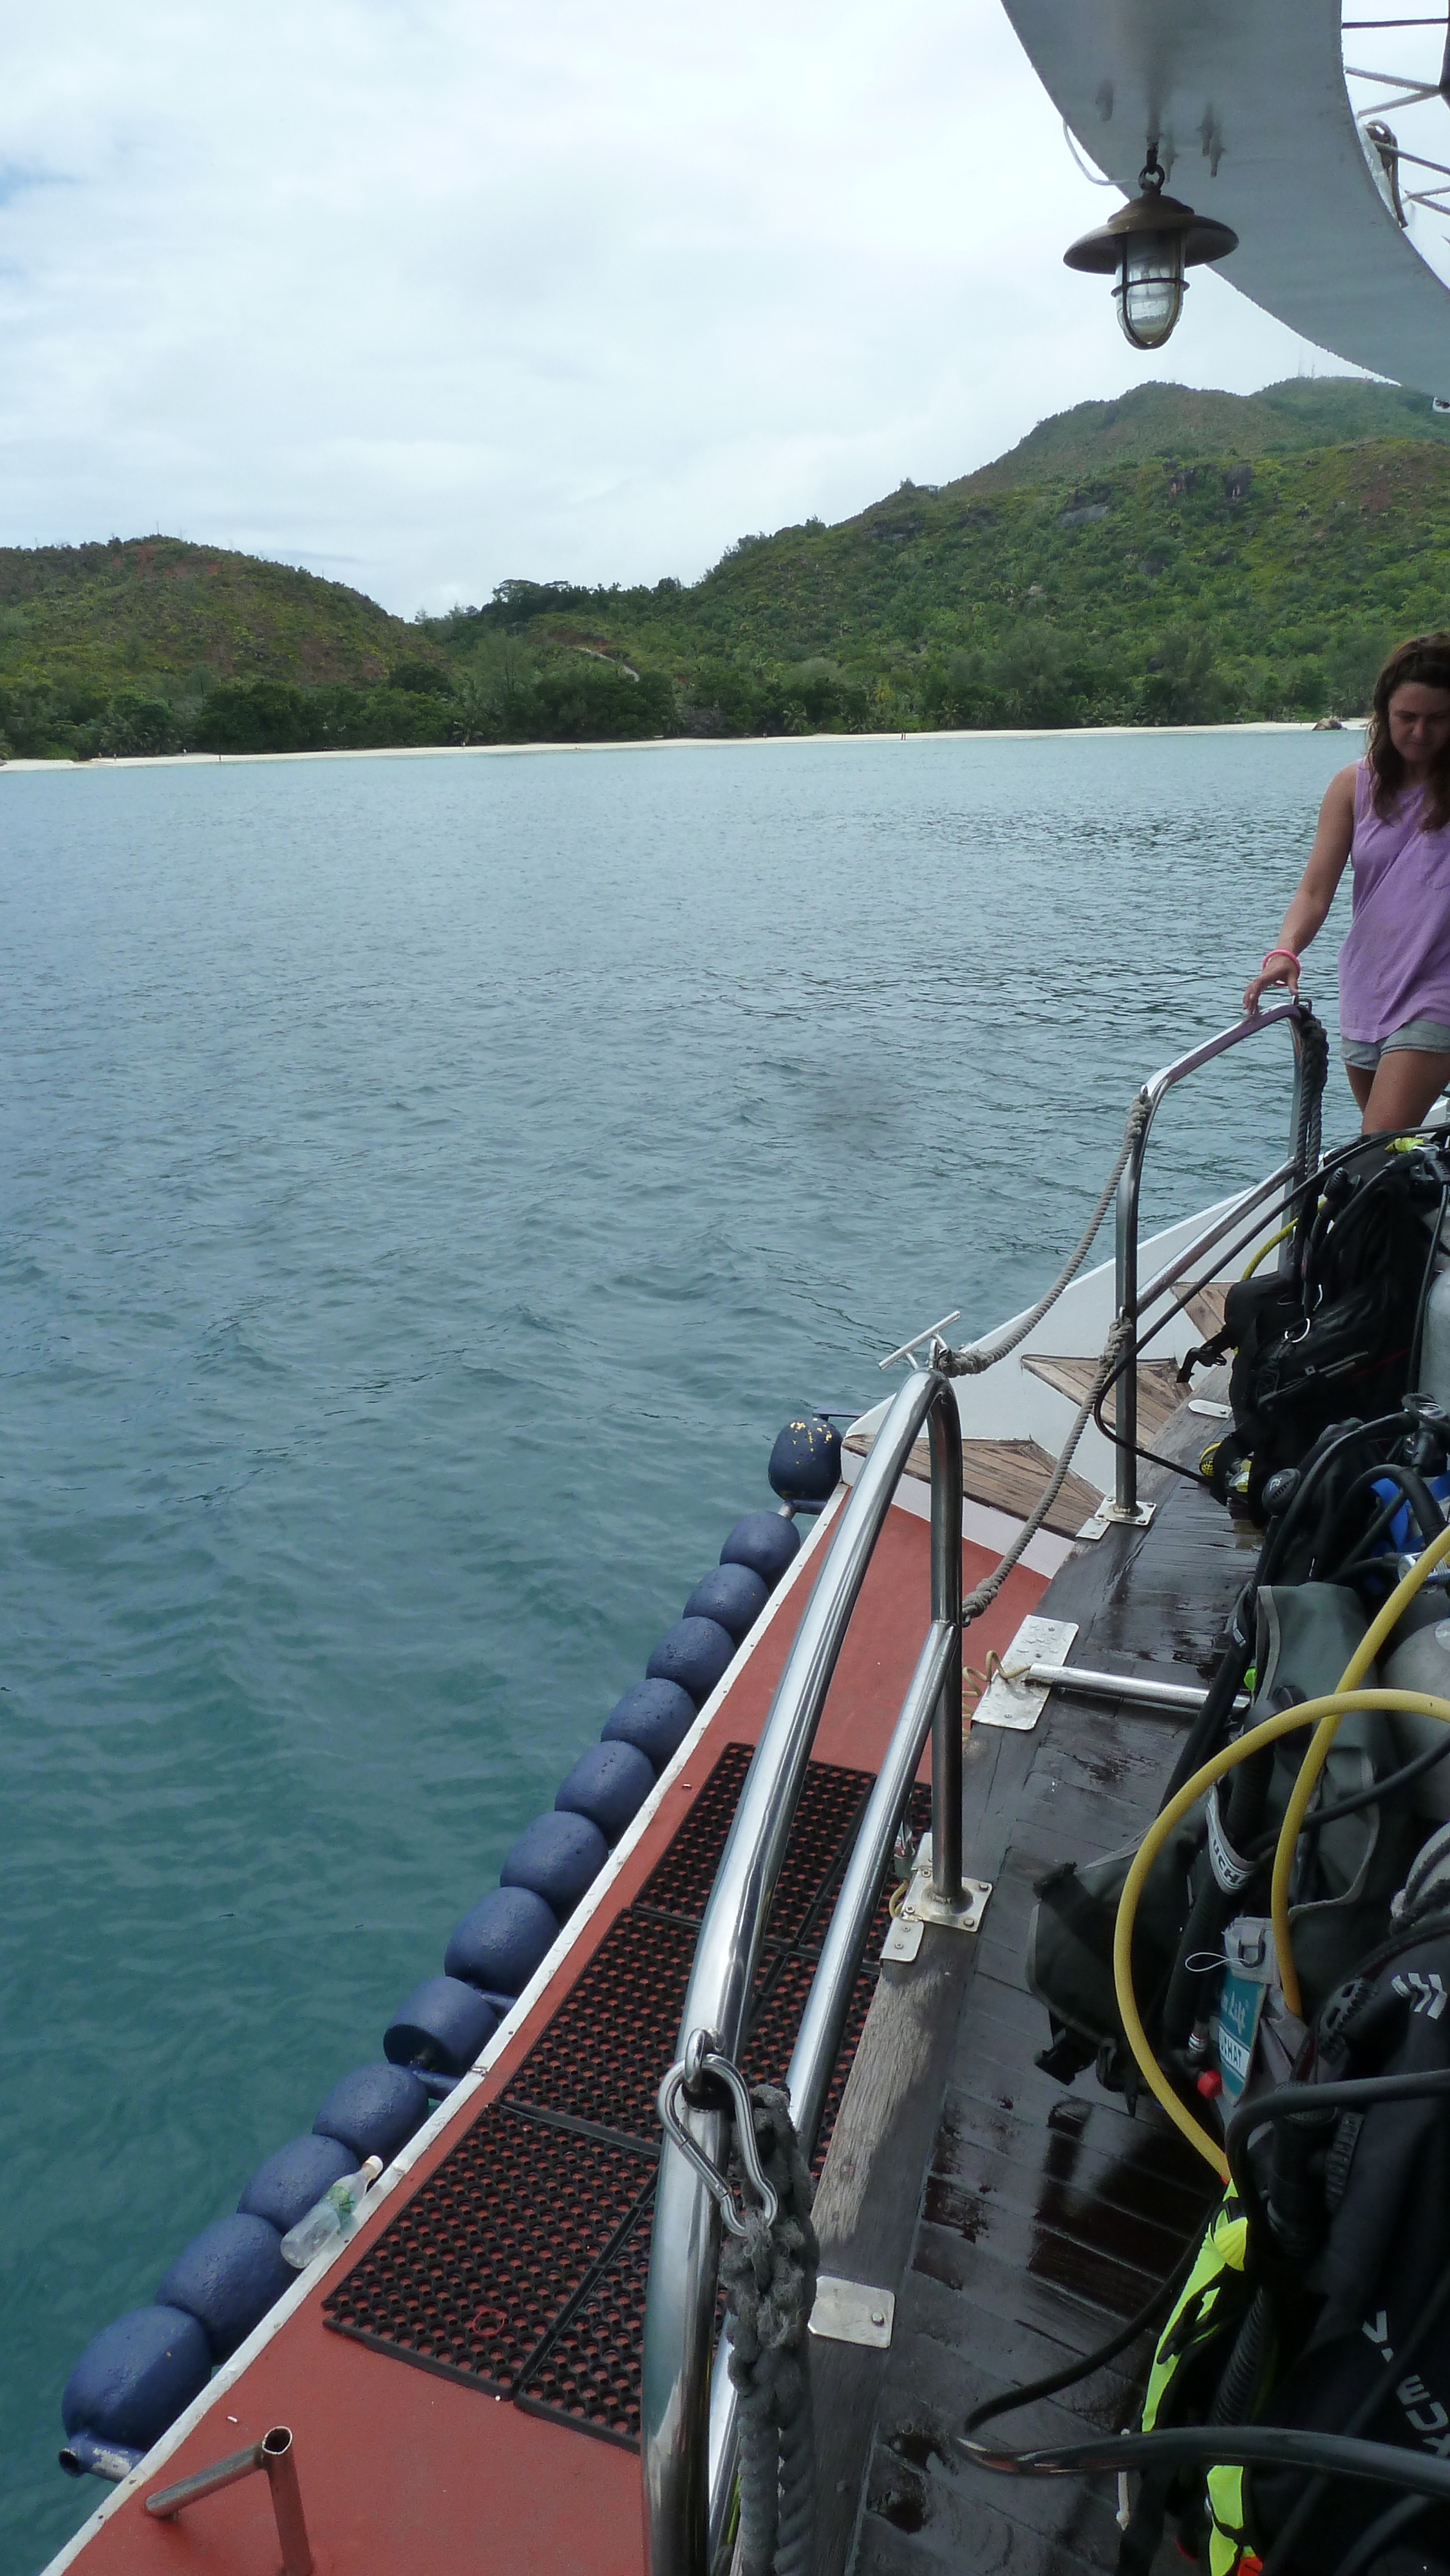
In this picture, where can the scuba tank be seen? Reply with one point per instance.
(1419, 1660)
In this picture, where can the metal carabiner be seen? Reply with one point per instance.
(701, 2058)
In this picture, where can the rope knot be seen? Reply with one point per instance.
(768, 2274)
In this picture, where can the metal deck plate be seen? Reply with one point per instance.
(852, 2312)
(1019, 1704)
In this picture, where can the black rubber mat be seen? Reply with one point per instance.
(519, 2266)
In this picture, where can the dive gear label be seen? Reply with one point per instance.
(1248, 1956)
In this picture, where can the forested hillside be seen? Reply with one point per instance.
(1173, 557)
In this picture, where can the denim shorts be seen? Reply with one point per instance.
(1424, 1037)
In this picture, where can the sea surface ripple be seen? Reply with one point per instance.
(427, 1186)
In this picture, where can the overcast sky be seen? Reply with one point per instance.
(423, 293)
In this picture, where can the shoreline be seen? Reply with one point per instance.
(654, 742)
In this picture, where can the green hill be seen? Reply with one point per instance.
(117, 647)
(1172, 557)
(1158, 420)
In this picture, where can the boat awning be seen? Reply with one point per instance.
(1255, 89)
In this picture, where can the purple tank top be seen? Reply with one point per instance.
(1395, 964)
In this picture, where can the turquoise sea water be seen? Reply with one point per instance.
(427, 1185)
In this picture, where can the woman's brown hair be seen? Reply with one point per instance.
(1425, 659)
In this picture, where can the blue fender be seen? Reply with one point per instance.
(227, 2278)
(443, 2023)
(286, 2186)
(135, 2377)
(373, 2112)
(694, 1653)
(805, 1464)
(732, 1595)
(558, 1857)
(655, 1717)
(608, 1784)
(501, 1941)
(765, 1541)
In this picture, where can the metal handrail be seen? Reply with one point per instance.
(1130, 1304)
(688, 2442)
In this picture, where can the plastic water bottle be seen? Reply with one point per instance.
(331, 2218)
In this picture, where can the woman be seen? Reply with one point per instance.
(1389, 814)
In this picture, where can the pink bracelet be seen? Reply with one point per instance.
(1278, 952)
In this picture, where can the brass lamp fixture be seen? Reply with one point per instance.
(1147, 245)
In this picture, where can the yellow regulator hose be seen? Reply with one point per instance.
(1265, 1249)
(1318, 1754)
(1321, 1713)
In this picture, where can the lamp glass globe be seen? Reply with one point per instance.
(1149, 292)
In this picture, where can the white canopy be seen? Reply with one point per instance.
(1257, 87)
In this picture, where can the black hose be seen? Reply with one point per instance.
(1369, 1557)
(1053, 2380)
(1413, 1490)
(1233, 2399)
(1428, 1514)
(1211, 1720)
(1379, 1790)
(1247, 2446)
(1292, 2101)
(1209, 1915)
(1110, 1430)
(1315, 1468)
(1276, 2560)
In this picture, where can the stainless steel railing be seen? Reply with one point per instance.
(688, 2431)
(1133, 1303)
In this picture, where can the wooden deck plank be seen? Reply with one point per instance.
(1159, 1393)
(1008, 2353)
(865, 2209)
(1008, 1475)
(1204, 1307)
(998, 2547)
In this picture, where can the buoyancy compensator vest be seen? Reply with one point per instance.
(1213, 1870)
(1333, 2269)
(1335, 1331)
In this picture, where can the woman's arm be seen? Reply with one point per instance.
(1314, 893)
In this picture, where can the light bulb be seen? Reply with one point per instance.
(1150, 288)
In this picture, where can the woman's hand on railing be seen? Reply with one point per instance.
(1280, 966)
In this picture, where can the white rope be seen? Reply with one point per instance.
(979, 1356)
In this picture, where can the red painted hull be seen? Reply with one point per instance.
(402, 2470)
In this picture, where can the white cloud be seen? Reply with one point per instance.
(427, 292)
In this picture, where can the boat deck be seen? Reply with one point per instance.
(463, 2381)
(1048, 2215)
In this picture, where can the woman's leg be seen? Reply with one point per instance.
(1403, 1084)
(1361, 1083)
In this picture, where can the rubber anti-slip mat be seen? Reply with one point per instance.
(519, 2265)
